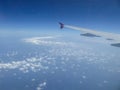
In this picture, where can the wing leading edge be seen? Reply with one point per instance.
(95, 33)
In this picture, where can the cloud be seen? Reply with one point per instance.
(41, 86)
(33, 64)
(49, 40)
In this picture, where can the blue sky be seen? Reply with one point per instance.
(44, 14)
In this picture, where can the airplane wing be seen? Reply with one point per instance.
(95, 33)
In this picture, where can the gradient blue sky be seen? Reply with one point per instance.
(45, 14)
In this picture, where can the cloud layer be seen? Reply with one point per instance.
(59, 51)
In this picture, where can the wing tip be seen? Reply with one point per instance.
(61, 25)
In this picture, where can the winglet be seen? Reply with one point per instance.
(61, 25)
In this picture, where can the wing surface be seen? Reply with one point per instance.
(95, 33)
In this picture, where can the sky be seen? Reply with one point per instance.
(43, 15)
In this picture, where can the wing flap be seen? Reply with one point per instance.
(116, 44)
(89, 35)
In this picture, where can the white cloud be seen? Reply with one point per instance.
(25, 66)
(49, 40)
(41, 86)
